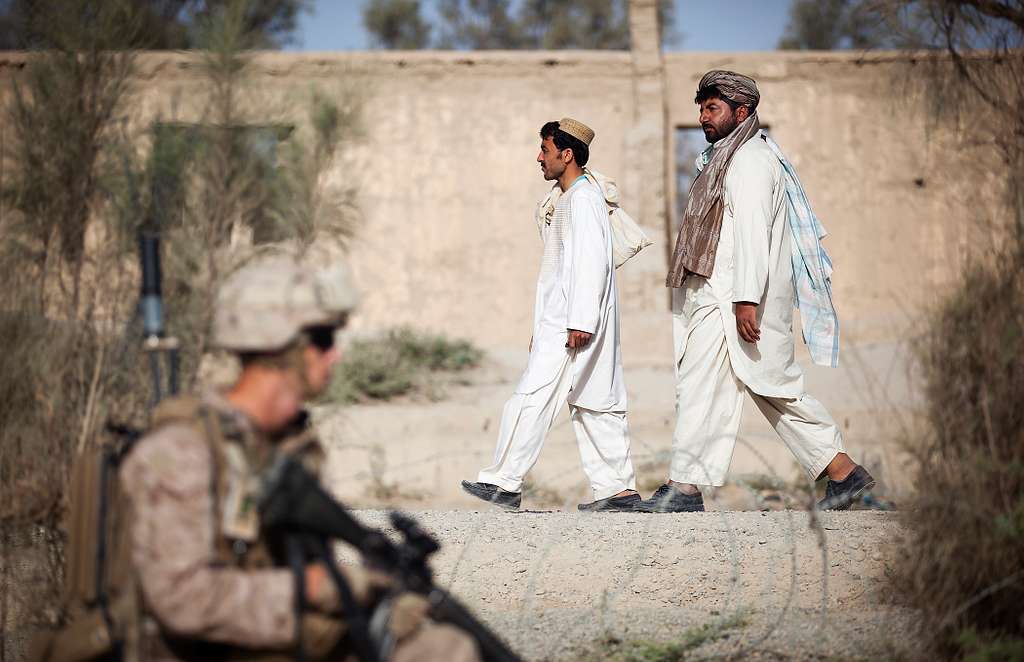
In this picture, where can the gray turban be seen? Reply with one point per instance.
(733, 86)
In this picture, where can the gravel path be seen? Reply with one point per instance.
(565, 586)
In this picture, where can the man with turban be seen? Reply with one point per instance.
(747, 253)
(574, 354)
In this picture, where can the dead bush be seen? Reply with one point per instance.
(964, 561)
(83, 176)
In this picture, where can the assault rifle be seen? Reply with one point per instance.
(294, 504)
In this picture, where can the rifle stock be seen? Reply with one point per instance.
(294, 502)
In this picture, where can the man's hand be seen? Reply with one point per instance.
(366, 585)
(578, 339)
(746, 321)
(408, 612)
(320, 590)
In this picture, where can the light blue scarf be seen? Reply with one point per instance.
(812, 267)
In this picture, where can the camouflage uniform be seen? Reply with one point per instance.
(207, 580)
(183, 581)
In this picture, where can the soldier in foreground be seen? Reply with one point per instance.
(208, 576)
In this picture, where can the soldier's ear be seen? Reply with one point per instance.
(742, 113)
(567, 155)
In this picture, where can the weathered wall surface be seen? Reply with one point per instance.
(446, 170)
(447, 182)
(447, 177)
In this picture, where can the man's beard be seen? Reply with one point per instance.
(728, 127)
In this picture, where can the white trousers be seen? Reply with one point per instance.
(709, 401)
(602, 436)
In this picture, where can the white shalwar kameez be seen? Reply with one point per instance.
(575, 290)
(714, 365)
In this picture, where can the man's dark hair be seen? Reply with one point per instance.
(562, 140)
(712, 92)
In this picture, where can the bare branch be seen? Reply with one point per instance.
(994, 9)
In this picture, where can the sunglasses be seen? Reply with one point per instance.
(321, 337)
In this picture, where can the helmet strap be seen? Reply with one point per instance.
(294, 359)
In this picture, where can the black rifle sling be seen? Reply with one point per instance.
(297, 562)
(352, 611)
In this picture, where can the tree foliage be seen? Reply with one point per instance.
(982, 40)
(826, 25)
(903, 24)
(504, 24)
(397, 24)
(479, 24)
(159, 24)
(80, 81)
(85, 168)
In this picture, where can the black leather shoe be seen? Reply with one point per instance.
(670, 500)
(493, 494)
(840, 495)
(613, 504)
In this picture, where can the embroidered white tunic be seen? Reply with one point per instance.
(753, 263)
(576, 290)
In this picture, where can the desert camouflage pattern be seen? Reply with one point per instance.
(263, 306)
(207, 583)
(177, 546)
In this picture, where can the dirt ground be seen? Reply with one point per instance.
(749, 579)
(778, 585)
(414, 451)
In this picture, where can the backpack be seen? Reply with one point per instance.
(101, 601)
(628, 238)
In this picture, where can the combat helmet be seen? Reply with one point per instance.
(263, 307)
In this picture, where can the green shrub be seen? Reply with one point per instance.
(399, 362)
(373, 369)
(435, 352)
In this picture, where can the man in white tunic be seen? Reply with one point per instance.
(574, 354)
(732, 302)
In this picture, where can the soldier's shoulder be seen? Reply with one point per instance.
(172, 449)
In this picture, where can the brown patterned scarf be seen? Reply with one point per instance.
(701, 226)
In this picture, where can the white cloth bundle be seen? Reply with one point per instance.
(627, 237)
